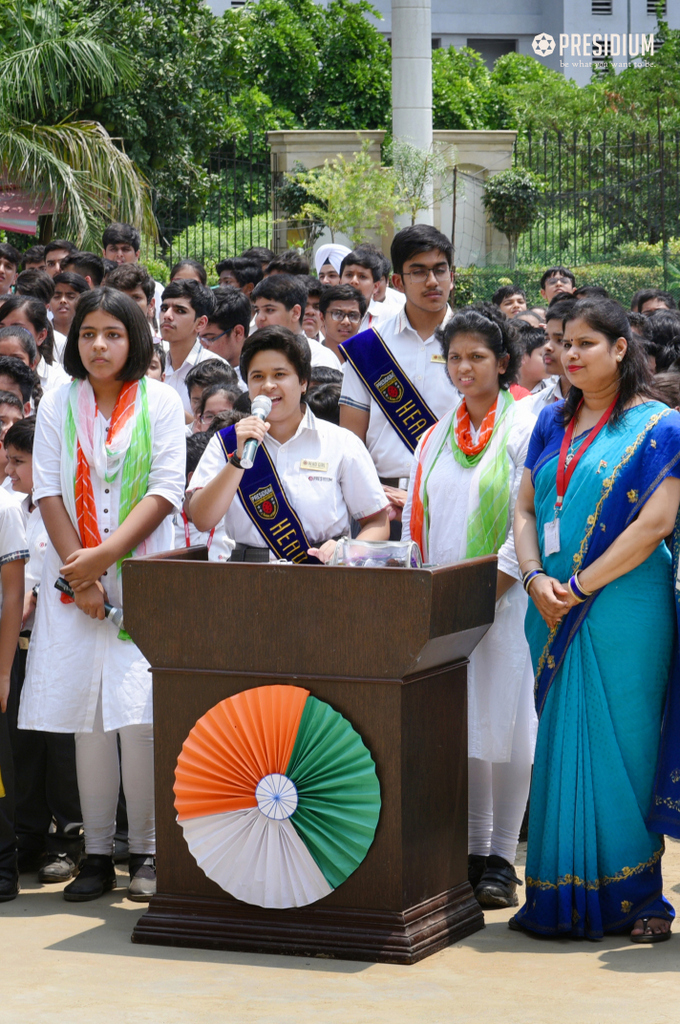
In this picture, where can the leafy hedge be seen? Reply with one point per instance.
(475, 284)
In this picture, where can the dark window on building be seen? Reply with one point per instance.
(492, 49)
(436, 42)
(602, 7)
(652, 7)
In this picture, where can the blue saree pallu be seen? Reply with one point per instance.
(602, 677)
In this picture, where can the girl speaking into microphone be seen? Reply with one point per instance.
(310, 478)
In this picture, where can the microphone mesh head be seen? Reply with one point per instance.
(261, 404)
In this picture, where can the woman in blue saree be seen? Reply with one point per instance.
(600, 493)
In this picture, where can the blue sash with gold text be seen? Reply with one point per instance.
(265, 502)
(404, 407)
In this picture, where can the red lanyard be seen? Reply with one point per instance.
(187, 535)
(564, 471)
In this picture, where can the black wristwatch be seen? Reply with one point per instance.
(235, 461)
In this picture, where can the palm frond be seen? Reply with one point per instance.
(78, 165)
(52, 64)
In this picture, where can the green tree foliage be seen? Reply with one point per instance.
(352, 196)
(201, 79)
(460, 89)
(47, 66)
(423, 176)
(512, 200)
(522, 93)
(353, 88)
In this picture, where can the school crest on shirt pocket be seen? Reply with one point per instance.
(264, 500)
(390, 387)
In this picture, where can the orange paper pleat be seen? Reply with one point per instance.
(234, 745)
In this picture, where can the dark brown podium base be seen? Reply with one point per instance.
(346, 934)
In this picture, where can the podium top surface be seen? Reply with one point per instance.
(185, 612)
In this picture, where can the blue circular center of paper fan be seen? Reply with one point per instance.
(276, 796)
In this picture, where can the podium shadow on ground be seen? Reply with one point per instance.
(106, 924)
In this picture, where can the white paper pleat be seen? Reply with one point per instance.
(256, 859)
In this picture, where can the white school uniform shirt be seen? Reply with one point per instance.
(548, 395)
(240, 381)
(220, 546)
(421, 362)
(15, 496)
(13, 545)
(393, 301)
(73, 657)
(59, 344)
(51, 377)
(37, 540)
(176, 376)
(322, 356)
(342, 485)
(498, 665)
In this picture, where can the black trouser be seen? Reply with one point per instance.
(46, 787)
(8, 842)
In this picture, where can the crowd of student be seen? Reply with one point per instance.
(393, 415)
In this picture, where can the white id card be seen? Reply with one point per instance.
(551, 538)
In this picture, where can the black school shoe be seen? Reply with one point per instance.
(476, 868)
(498, 885)
(97, 875)
(9, 889)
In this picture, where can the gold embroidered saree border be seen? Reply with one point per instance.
(596, 883)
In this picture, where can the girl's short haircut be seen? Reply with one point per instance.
(25, 339)
(279, 339)
(497, 332)
(217, 389)
(35, 312)
(195, 265)
(75, 281)
(122, 307)
(20, 435)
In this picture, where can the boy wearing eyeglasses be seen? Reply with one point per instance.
(395, 386)
(228, 327)
(342, 309)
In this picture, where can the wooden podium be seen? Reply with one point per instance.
(388, 649)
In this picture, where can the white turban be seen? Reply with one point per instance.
(333, 254)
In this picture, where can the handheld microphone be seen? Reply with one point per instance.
(261, 408)
(115, 614)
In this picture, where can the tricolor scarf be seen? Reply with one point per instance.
(489, 501)
(125, 454)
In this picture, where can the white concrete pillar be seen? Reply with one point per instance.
(412, 76)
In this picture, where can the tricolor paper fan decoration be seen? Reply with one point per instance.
(277, 796)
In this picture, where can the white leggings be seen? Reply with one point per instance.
(498, 791)
(99, 771)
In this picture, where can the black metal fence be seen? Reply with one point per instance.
(233, 213)
(603, 190)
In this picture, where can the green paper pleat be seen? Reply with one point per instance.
(338, 791)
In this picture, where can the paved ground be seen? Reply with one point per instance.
(74, 964)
